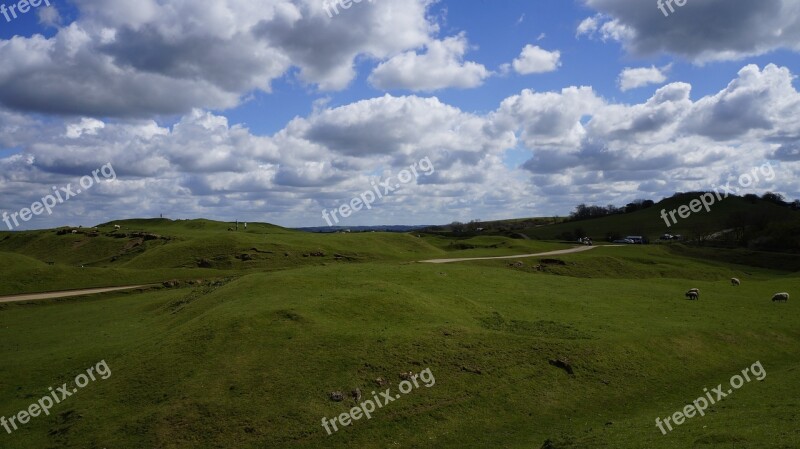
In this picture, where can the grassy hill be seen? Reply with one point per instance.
(144, 251)
(648, 222)
(249, 362)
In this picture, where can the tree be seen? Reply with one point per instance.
(751, 197)
(457, 227)
(584, 212)
(473, 225)
(775, 198)
(702, 231)
(738, 222)
(638, 204)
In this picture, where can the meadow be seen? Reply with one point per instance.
(247, 354)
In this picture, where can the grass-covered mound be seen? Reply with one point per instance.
(250, 363)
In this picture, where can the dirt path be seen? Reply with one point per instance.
(67, 294)
(577, 249)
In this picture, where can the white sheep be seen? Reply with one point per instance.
(117, 227)
(780, 297)
(735, 282)
(692, 295)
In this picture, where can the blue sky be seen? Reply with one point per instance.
(273, 111)
(497, 30)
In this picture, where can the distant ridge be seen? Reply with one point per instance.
(386, 228)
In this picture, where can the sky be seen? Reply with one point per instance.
(319, 112)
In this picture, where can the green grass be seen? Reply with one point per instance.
(250, 363)
(114, 258)
(649, 223)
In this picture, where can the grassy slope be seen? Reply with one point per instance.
(249, 364)
(23, 256)
(21, 274)
(648, 222)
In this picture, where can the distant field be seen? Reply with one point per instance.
(247, 359)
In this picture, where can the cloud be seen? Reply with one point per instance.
(401, 128)
(169, 58)
(49, 16)
(757, 102)
(639, 77)
(549, 118)
(441, 67)
(203, 166)
(607, 27)
(701, 30)
(589, 25)
(534, 59)
(668, 143)
(580, 146)
(789, 152)
(87, 126)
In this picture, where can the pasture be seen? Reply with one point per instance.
(247, 358)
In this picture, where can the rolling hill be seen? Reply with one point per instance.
(575, 351)
(730, 213)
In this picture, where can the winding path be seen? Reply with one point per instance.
(92, 291)
(68, 293)
(577, 249)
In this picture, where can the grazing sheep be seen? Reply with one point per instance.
(696, 290)
(780, 297)
(117, 227)
(735, 282)
(692, 295)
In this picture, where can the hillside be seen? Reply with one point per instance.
(730, 213)
(250, 363)
(572, 351)
(145, 251)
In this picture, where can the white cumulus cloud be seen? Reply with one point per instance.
(534, 59)
(441, 66)
(634, 78)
